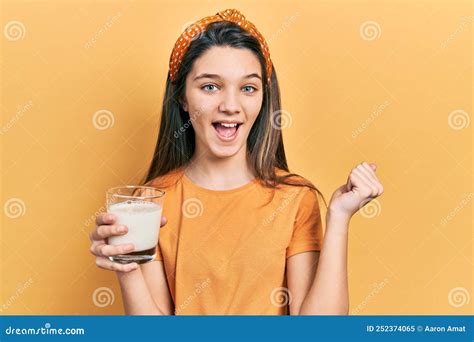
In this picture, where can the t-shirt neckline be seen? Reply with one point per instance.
(244, 187)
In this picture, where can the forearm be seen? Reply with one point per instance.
(137, 299)
(329, 291)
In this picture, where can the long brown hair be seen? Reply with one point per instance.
(176, 140)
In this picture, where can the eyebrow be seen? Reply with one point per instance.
(215, 76)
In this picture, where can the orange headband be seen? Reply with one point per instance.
(193, 31)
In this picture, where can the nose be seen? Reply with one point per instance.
(230, 102)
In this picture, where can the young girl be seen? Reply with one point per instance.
(244, 235)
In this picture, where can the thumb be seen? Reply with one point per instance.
(373, 166)
(164, 221)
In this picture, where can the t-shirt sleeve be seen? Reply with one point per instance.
(159, 256)
(307, 229)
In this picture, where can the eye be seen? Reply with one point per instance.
(249, 89)
(209, 87)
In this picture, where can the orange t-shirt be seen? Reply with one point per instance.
(225, 251)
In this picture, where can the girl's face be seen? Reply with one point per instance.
(224, 94)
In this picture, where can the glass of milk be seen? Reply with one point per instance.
(139, 208)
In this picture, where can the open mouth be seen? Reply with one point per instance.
(226, 130)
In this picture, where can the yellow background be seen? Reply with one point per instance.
(410, 252)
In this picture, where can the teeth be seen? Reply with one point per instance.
(228, 124)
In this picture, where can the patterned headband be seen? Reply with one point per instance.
(193, 31)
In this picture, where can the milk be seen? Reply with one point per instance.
(143, 222)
